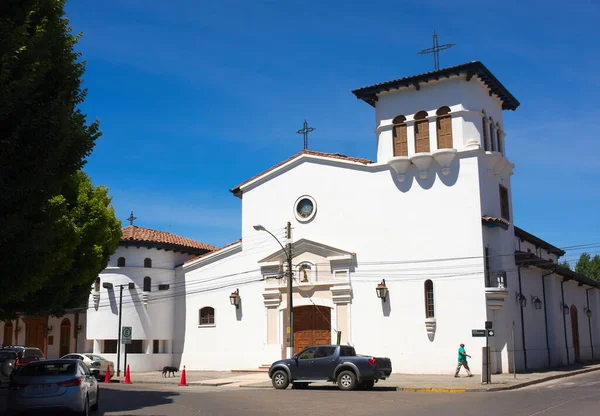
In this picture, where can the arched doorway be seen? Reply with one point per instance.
(65, 337)
(575, 331)
(8, 331)
(312, 326)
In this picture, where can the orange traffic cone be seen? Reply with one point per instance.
(127, 376)
(107, 375)
(183, 381)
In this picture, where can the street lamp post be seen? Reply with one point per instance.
(290, 302)
(107, 286)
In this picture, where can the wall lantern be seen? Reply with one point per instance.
(79, 328)
(565, 308)
(18, 329)
(49, 328)
(522, 300)
(235, 298)
(382, 290)
(588, 311)
(537, 303)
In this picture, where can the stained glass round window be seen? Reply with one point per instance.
(305, 208)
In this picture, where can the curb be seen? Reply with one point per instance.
(405, 389)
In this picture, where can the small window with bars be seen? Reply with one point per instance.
(429, 304)
(207, 316)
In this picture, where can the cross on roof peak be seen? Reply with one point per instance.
(304, 131)
(435, 50)
(131, 218)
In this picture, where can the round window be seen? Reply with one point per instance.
(305, 208)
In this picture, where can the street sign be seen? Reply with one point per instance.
(478, 332)
(490, 332)
(126, 335)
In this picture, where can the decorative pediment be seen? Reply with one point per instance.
(303, 246)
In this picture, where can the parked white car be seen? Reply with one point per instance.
(93, 362)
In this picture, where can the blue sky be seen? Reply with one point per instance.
(194, 97)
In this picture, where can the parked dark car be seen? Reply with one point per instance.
(25, 355)
(8, 358)
(330, 363)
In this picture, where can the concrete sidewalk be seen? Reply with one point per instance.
(400, 382)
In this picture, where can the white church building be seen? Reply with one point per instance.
(400, 257)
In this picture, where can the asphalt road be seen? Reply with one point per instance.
(573, 396)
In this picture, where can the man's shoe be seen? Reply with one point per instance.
(470, 375)
(456, 376)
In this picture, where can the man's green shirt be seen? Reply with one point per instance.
(462, 357)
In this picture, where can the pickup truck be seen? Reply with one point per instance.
(330, 363)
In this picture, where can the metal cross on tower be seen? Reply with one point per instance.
(131, 218)
(436, 50)
(305, 130)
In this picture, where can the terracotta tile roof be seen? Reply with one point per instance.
(214, 251)
(236, 190)
(470, 69)
(501, 222)
(133, 233)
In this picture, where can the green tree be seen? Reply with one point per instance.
(589, 266)
(88, 221)
(44, 140)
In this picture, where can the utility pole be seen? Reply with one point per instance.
(119, 336)
(290, 276)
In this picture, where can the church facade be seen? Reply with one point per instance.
(400, 257)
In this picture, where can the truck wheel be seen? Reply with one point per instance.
(280, 380)
(346, 380)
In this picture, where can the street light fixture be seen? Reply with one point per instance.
(110, 286)
(382, 290)
(537, 303)
(290, 300)
(522, 300)
(235, 298)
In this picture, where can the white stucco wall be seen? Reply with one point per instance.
(154, 321)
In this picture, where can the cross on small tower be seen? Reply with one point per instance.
(436, 50)
(131, 218)
(304, 131)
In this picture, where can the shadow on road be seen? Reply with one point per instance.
(335, 388)
(114, 400)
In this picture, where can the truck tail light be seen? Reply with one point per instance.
(371, 361)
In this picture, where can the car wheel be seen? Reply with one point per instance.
(346, 380)
(86, 407)
(280, 380)
(95, 406)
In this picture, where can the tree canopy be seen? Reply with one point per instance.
(44, 140)
(589, 266)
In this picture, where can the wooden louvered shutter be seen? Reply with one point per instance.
(400, 140)
(444, 132)
(492, 139)
(485, 135)
(422, 136)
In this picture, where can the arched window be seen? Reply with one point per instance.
(429, 308)
(421, 132)
(304, 272)
(8, 333)
(499, 138)
(484, 129)
(444, 128)
(492, 136)
(148, 262)
(147, 284)
(400, 137)
(97, 285)
(121, 262)
(207, 316)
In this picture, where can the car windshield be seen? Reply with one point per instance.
(7, 355)
(48, 369)
(33, 353)
(95, 357)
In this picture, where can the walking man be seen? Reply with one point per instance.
(462, 361)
